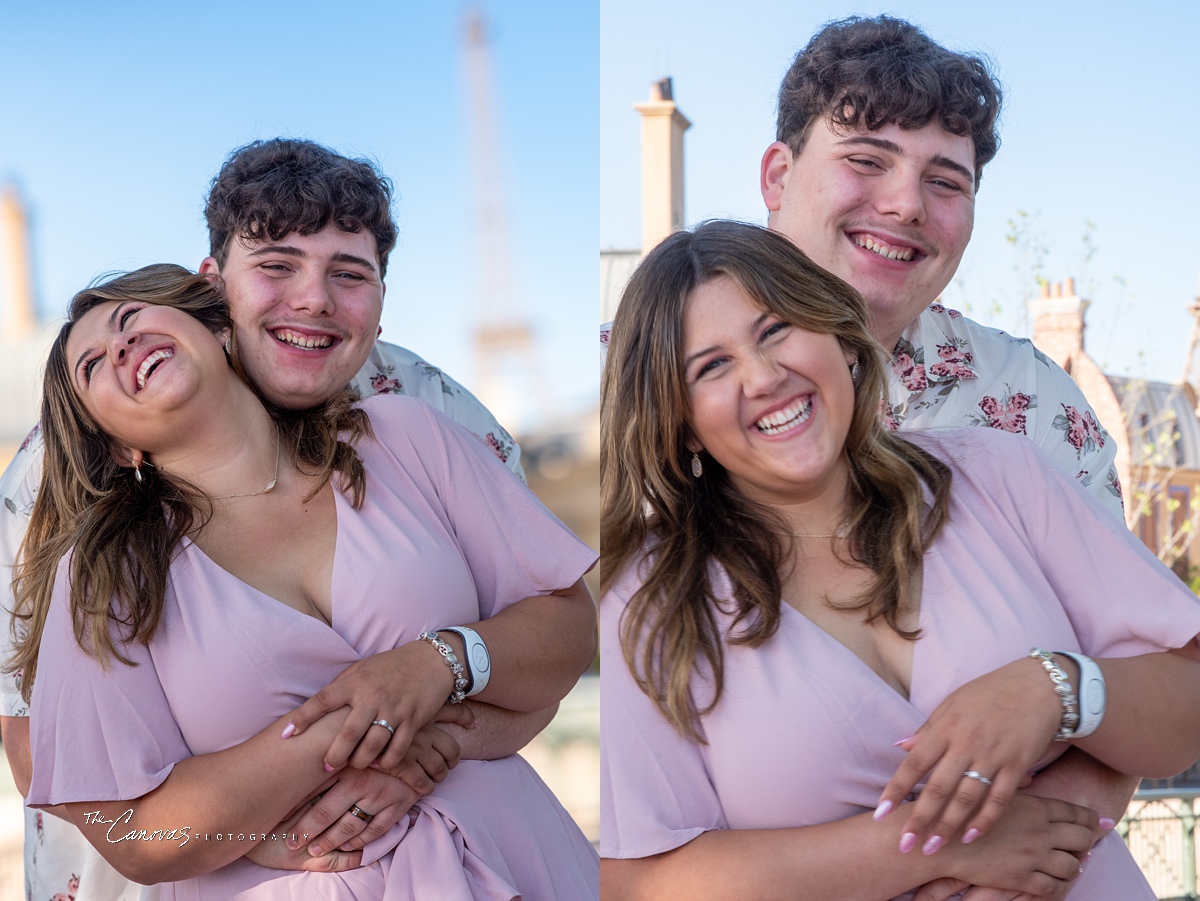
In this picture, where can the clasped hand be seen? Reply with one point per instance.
(977, 748)
(405, 687)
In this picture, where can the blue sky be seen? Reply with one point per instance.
(114, 117)
(1100, 127)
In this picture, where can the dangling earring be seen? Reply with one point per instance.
(379, 331)
(137, 473)
(854, 370)
(697, 466)
(229, 344)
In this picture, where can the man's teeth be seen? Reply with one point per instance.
(892, 253)
(306, 341)
(149, 363)
(786, 418)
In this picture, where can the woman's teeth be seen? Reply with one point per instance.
(149, 363)
(787, 418)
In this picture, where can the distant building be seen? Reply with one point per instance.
(1155, 425)
(24, 341)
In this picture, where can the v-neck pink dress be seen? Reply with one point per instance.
(447, 535)
(804, 732)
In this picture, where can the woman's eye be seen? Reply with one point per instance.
(125, 314)
(775, 329)
(88, 367)
(708, 367)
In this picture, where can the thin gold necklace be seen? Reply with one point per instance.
(840, 533)
(270, 485)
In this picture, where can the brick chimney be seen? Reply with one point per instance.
(662, 164)
(1058, 322)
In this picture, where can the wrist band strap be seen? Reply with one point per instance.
(1093, 694)
(447, 652)
(478, 660)
(1062, 688)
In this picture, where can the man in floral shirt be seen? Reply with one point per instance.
(306, 300)
(875, 180)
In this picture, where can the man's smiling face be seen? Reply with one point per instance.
(306, 309)
(890, 211)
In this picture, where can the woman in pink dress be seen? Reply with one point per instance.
(180, 633)
(805, 615)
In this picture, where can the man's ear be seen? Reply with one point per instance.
(210, 267)
(774, 172)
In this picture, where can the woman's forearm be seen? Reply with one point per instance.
(499, 732)
(539, 648)
(854, 859)
(1035, 849)
(242, 791)
(1151, 726)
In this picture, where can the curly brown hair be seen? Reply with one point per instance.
(867, 73)
(269, 189)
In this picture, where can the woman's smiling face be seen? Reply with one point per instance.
(771, 402)
(133, 365)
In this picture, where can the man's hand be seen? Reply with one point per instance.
(1082, 779)
(433, 752)
(330, 825)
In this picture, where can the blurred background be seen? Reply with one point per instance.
(115, 117)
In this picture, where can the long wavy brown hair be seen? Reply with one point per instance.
(124, 533)
(655, 515)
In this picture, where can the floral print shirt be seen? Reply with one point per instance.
(59, 862)
(949, 372)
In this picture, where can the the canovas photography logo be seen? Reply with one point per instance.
(116, 832)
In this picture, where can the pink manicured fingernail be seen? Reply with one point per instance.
(328, 768)
(908, 841)
(474, 724)
(970, 835)
(373, 765)
(288, 730)
(293, 842)
(315, 850)
(1106, 823)
(883, 810)
(932, 845)
(902, 741)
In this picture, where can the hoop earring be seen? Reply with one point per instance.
(697, 466)
(854, 371)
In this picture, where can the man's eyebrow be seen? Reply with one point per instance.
(892, 147)
(285, 249)
(351, 258)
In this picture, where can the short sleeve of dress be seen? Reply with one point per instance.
(655, 791)
(96, 734)
(513, 545)
(1120, 599)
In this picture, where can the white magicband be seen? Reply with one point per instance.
(1093, 694)
(476, 657)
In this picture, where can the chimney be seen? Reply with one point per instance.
(1058, 322)
(17, 318)
(662, 164)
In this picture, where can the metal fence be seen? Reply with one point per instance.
(1160, 829)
